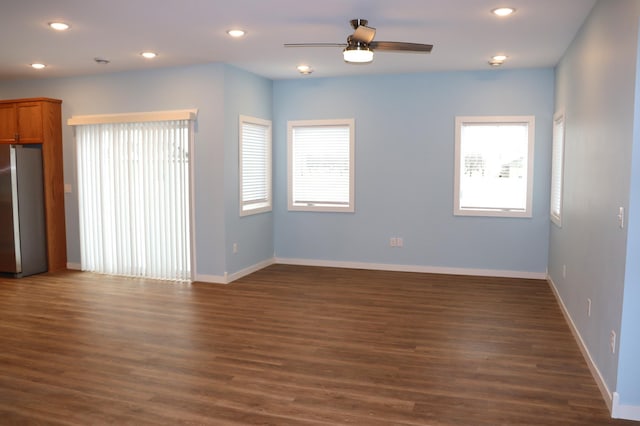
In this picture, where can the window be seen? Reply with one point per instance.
(255, 165)
(134, 193)
(557, 169)
(494, 166)
(320, 165)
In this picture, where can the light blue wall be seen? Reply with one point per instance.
(628, 364)
(199, 87)
(595, 86)
(245, 94)
(404, 170)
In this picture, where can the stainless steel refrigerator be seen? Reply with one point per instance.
(23, 248)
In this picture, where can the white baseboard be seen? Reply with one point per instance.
(251, 269)
(604, 389)
(199, 277)
(213, 279)
(229, 278)
(627, 412)
(413, 268)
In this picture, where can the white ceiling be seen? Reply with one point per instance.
(464, 34)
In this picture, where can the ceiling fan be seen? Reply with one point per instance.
(360, 45)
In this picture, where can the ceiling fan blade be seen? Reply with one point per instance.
(401, 46)
(315, 45)
(364, 34)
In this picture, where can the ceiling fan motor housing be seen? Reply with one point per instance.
(355, 23)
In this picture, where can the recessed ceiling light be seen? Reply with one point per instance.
(503, 11)
(59, 26)
(38, 66)
(149, 55)
(236, 33)
(495, 63)
(305, 69)
(499, 58)
(101, 61)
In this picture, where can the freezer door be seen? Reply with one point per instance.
(9, 233)
(33, 240)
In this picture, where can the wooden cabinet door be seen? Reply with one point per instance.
(8, 123)
(29, 122)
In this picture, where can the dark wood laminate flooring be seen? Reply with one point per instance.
(291, 345)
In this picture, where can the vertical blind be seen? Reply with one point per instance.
(321, 166)
(133, 194)
(255, 165)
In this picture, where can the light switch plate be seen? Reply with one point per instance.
(621, 217)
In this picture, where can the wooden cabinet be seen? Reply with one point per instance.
(21, 122)
(39, 120)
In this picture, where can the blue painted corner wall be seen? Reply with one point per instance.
(596, 87)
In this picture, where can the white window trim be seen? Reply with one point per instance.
(558, 118)
(308, 123)
(527, 212)
(269, 203)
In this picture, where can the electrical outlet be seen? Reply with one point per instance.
(588, 307)
(235, 248)
(564, 271)
(612, 341)
(396, 242)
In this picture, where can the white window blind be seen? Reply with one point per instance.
(557, 169)
(134, 198)
(255, 165)
(321, 172)
(494, 166)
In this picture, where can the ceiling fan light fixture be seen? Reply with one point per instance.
(357, 54)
